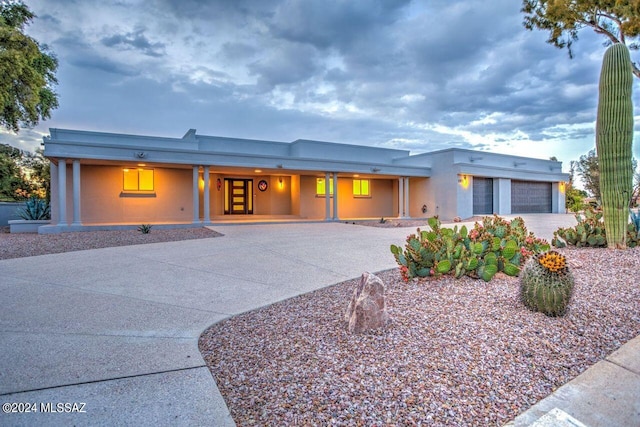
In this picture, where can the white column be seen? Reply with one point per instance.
(400, 197)
(62, 192)
(196, 196)
(76, 193)
(54, 193)
(327, 197)
(406, 197)
(335, 196)
(207, 212)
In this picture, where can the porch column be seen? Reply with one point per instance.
(327, 197)
(335, 196)
(207, 213)
(196, 196)
(62, 192)
(400, 197)
(76, 193)
(406, 198)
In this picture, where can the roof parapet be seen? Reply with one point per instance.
(191, 134)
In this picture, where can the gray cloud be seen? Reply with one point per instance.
(403, 74)
(135, 40)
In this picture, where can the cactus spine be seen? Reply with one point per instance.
(614, 139)
(546, 284)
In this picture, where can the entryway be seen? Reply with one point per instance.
(238, 196)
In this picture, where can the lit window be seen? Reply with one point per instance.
(321, 187)
(361, 188)
(137, 179)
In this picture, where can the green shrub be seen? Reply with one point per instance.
(491, 246)
(546, 284)
(145, 228)
(35, 209)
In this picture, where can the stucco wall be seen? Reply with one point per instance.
(8, 211)
(381, 203)
(101, 199)
(276, 199)
(102, 202)
(419, 196)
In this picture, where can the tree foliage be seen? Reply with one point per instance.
(27, 71)
(589, 172)
(23, 174)
(588, 168)
(617, 20)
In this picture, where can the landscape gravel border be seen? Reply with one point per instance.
(458, 352)
(18, 245)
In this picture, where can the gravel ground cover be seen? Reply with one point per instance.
(458, 352)
(20, 245)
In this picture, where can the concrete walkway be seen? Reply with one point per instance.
(116, 330)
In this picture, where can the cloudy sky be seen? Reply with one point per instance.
(418, 75)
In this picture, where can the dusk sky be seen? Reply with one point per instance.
(417, 75)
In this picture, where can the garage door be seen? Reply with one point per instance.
(530, 197)
(482, 196)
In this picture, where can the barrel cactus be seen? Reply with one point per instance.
(614, 139)
(546, 284)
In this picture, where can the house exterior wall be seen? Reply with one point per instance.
(275, 200)
(442, 181)
(380, 204)
(102, 200)
(418, 197)
(502, 196)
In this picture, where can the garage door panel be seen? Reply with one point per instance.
(482, 196)
(530, 197)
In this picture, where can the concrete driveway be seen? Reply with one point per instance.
(116, 330)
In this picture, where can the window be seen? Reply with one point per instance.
(361, 188)
(321, 187)
(137, 179)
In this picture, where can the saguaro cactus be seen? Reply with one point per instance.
(614, 140)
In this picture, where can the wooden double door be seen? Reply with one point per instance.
(238, 196)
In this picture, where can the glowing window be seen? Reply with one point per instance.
(137, 179)
(321, 187)
(361, 188)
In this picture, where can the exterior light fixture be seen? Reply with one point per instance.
(280, 183)
(463, 180)
(258, 170)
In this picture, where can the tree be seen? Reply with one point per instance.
(14, 184)
(589, 172)
(618, 21)
(27, 71)
(38, 168)
(574, 197)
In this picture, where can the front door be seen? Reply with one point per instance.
(238, 196)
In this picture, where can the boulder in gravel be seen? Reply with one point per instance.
(367, 309)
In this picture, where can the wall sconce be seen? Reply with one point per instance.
(562, 187)
(463, 180)
(280, 183)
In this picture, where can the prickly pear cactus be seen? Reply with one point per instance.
(546, 284)
(614, 139)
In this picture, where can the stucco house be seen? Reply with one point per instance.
(107, 180)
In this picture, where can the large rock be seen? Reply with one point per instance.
(367, 309)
